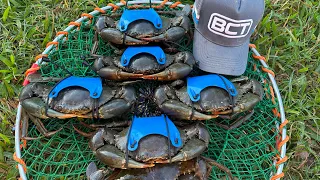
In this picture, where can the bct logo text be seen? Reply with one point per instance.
(228, 27)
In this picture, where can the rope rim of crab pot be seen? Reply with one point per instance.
(281, 145)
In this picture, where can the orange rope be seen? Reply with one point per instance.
(279, 142)
(175, 4)
(282, 160)
(282, 143)
(160, 5)
(123, 2)
(30, 70)
(253, 46)
(277, 176)
(20, 161)
(283, 124)
(89, 16)
(272, 94)
(268, 71)
(100, 10)
(74, 24)
(52, 43)
(115, 7)
(63, 32)
(275, 112)
(40, 56)
(259, 57)
(24, 144)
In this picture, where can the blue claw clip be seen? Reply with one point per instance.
(131, 51)
(144, 126)
(93, 85)
(129, 16)
(196, 84)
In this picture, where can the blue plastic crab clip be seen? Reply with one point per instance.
(93, 85)
(196, 84)
(131, 51)
(129, 16)
(144, 126)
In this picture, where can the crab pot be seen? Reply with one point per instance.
(255, 150)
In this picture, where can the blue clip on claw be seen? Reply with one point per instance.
(129, 16)
(144, 126)
(93, 85)
(196, 84)
(131, 51)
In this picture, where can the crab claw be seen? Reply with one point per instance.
(114, 73)
(198, 143)
(184, 112)
(184, 62)
(111, 156)
(36, 106)
(107, 70)
(172, 34)
(173, 72)
(115, 36)
(93, 173)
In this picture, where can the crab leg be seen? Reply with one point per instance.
(25, 123)
(41, 128)
(218, 165)
(236, 123)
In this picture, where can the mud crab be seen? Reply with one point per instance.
(145, 66)
(197, 168)
(76, 102)
(110, 147)
(175, 101)
(141, 31)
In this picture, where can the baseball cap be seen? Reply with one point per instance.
(222, 34)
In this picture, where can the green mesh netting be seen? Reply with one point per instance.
(247, 151)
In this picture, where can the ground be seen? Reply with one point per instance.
(288, 36)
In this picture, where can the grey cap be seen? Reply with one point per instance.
(222, 35)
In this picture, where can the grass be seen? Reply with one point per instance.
(288, 36)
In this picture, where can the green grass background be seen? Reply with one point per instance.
(288, 36)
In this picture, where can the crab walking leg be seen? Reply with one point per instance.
(117, 37)
(179, 110)
(235, 124)
(111, 156)
(218, 165)
(172, 34)
(25, 123)
(41, 128)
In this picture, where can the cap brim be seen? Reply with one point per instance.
(219, 59)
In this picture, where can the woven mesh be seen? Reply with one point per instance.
(247, 151)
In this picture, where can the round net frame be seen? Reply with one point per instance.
(255, 150)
